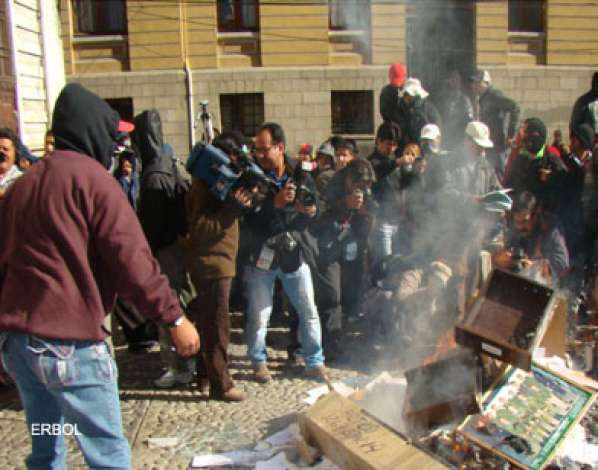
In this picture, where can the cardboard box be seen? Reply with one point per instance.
(509, 319)
(442, 392)
(355, 441)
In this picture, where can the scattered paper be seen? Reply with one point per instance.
(211, 460)
(159, 442)
(578, 449)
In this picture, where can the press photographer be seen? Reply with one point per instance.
(278, 250)
(342, 233)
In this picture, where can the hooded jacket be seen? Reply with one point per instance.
(583, 112)
(157, 207)
(80, 245)
(501, 114)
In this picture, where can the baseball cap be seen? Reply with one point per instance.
(327, 149)
(479, 133)
(481, 76)
(397, 74)
(125, 126)
(413, 87)
(430, 132)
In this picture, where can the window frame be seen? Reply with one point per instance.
(340, 98)
(238, 109)
(521, 11)
(333, 4)
(237, 26)
(101, 9)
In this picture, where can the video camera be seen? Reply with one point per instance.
(224, 175)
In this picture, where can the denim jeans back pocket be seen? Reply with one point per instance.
(57, 372)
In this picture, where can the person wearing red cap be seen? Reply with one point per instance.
(389, 96)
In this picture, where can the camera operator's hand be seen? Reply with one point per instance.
(354, 201)
(185, 338)
(309, 210)
(244, 197)
(285, 196)
(504, 259)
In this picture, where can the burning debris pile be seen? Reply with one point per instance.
(485, 402)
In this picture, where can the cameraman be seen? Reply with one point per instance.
(211, 260)
(342, 233)
(278, 234)
(534, 245)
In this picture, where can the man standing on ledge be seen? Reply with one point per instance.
(61, 268)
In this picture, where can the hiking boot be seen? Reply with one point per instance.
(171, 378)
(318, 372)
(232, 395)
(261, 373)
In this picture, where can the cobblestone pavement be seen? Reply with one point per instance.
(201, 425)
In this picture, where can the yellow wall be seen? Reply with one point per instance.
(572, 32)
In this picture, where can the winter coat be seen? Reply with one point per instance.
(501, 114)
(157, 198)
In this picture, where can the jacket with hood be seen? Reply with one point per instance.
(501, 114)
(415, 116)
(158, 208)
(585, 109)
(80, 244)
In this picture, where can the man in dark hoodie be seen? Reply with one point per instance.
(585, 109)
(61, 268)
(162, 216)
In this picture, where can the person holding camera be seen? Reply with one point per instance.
(278, 250)
(534, 245)
(212, 247)
(342, 233)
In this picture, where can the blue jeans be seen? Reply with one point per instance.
(67, 387)
(300, 291)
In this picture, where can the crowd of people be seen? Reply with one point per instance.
(399, 240)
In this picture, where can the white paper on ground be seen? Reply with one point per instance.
(315, 393)
(577, 448)
(159, 442)
(211, 460)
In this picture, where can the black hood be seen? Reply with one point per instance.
(84, 123)
(148, 137)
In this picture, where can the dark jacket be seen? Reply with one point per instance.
(157, 199)
(525, 176)
(416, 116)
(501, 114)
(269, 226)
(382, 164)
(582, 112)
(456, 112)
(390, 104)
(80, 243)
(338, 226)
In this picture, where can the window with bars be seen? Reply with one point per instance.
(238, 15)
(243, 112)
(348, 15)
(526, 16)
(352, 112)
(100, 17)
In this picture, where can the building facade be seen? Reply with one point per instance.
(318, 67)
(31, 67)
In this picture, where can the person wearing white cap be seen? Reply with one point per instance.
(431, 139)
(499, 112)
(417, 111)
(474, 177)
